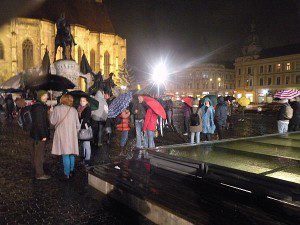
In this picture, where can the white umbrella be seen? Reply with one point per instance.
(15, 82)
(287, 94)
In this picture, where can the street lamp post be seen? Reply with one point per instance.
(159, 75)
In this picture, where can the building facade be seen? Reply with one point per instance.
(23, 40)
(260, 73)
(207, 78)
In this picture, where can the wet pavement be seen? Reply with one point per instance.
(23, 200)
(26, 201)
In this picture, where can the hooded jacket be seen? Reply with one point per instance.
(208, 114)
(221, 112)
(101, 113)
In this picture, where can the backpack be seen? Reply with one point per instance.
(25, 118)
(195, 119)
(288, 114)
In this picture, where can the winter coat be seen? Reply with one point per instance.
(65, 140)
(221, 112)
(109, 121)
(208, 115)
(282, 112)
(124, 125)
(10, 106)
(101, 113)
(140, 115)
(40, 122)
(85, 117)
(186, 110)
(169, 105)
(150, 120)
(296, 113)
(199, 127)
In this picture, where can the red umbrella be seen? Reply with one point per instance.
(188, 101)
(155, 106)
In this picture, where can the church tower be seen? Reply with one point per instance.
(252, 45)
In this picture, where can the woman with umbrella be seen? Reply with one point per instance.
(154, 110)
(84, 114)
(188, 104)
(65, 141)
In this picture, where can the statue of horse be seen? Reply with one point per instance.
(63, 37)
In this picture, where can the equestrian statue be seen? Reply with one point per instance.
(63, 37)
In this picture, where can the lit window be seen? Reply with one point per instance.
(288, 66)
(1, 50)
(278, 66)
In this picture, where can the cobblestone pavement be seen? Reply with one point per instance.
(23, 200)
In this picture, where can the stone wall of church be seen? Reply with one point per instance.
(41, 34)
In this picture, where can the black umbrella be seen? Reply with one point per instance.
(94, 104)
(11, 90)
(51, 82)
(229, 98)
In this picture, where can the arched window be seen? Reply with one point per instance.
(106, 63)
(79, 54)
(27, 48)
(92, 59)
(1, 50)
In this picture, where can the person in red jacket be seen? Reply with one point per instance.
(149, 124)
(124, 128)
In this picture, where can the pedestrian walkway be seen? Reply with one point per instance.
(24, 200)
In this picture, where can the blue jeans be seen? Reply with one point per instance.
(283, 126)
(124, 138)
(149, 139)
(69, 164)
(87, 150)
(193, 137)
(139, 133)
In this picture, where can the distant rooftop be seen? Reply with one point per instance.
(88, 13)
(280, 51)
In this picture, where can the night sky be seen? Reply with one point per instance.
(188, 30)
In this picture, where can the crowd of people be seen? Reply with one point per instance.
(202, 119)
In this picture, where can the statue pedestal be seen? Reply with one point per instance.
(71, 70)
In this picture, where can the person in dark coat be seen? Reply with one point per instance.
(186, 114)
(221, 117)
(284, 115)
(294, 124)
(85, 116)
(139, 117)
(10, 106)
(169, 111)
(40, 133)
(109, 124)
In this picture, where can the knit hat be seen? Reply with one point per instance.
(40, 93)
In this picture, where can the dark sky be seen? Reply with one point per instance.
(185, 30)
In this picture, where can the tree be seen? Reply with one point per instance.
(126, 75)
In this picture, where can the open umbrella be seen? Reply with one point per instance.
(94, 104)
(155, 106)
(15, 82)
(51, 82)
(212, 98)
(287, 94)
(119, 104)
(229, 98)
(11, 90)
(188, 101)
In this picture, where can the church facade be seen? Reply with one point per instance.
(23, 40)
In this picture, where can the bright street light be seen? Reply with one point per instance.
(160, 73)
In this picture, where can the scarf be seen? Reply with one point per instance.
(80, 109)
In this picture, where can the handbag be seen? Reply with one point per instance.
(85, 134)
